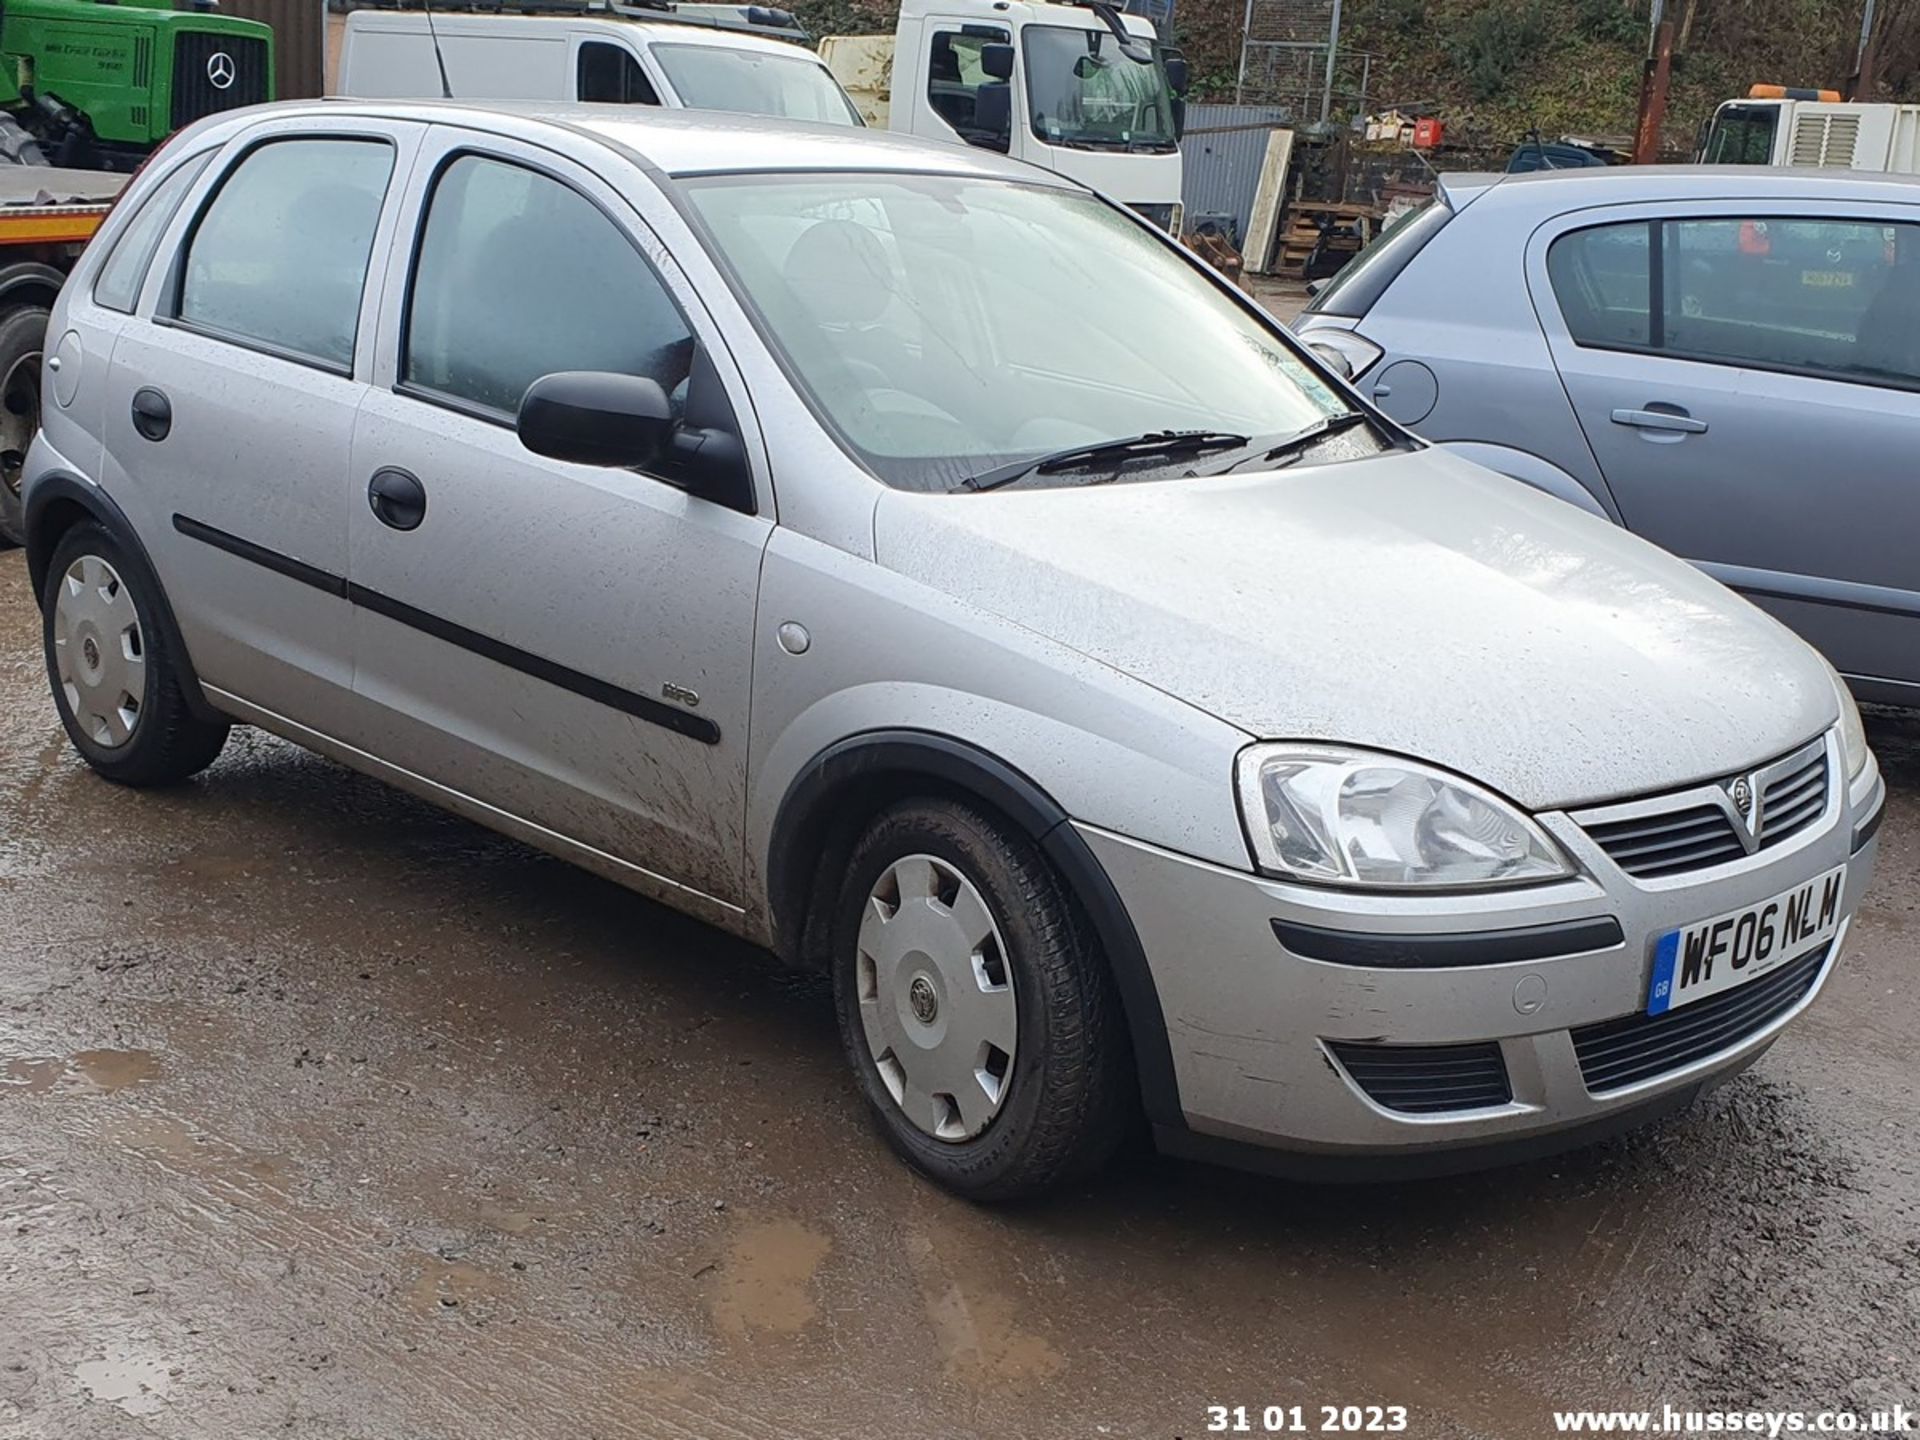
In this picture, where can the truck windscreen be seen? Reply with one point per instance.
(1742, 135)
(1084, 94)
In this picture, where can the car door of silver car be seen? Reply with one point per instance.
(1749, 379)
(230, 404)
(569, 645)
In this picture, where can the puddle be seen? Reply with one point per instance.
(764, 1284)
(90, 1072)
(138, 1387)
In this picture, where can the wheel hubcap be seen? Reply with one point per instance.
(19, 417)
(99, 652)
(936, 1001)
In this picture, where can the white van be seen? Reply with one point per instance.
(671, 58)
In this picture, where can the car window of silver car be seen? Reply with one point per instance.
(943, 326)
(125, 268)
(1835, 299)
(520, 276)
(278, 259)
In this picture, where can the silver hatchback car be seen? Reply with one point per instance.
(915, 564)
(1726, 360)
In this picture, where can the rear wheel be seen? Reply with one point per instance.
(23, 334)
(117, 686)
(974, 1007)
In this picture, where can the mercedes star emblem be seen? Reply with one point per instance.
(220, 70)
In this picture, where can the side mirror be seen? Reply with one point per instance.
(1179, 117)
(997, 61)
(992, 117)
(594, 417)
(1179, 74)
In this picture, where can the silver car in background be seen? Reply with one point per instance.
(907, 560)
(1725, 360)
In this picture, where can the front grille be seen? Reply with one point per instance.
(1427, 1079)
(1618, 1053)
(1703, 833)
(195, 94)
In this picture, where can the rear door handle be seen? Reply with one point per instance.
(152, 413)
(1677, 421)
(398, 499)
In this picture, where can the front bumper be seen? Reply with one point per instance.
(1255, 1026)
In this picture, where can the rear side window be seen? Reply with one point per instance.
(1355, 290)
(520, 276)
(125, 270)
(1603, 280)
(1834, 299)
(279, 259)
(610, 75)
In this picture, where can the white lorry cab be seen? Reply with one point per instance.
(745, 58)
(1082, 89)
(1779, 126)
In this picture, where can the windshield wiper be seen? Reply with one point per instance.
(1154, 445)
(1292, 446)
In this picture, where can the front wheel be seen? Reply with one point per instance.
(23, 334)
(974, 1007)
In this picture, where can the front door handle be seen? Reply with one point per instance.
(152, 413)
(398, 499)
(1676, 421)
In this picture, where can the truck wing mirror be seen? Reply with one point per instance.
(1179, 75)
(997, 61)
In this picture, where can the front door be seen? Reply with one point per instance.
(570, 645)
(230, 407)
(1750, 385)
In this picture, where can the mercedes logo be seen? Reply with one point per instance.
(220, 70)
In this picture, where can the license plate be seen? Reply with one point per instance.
(1827, 279)
(1710, 956)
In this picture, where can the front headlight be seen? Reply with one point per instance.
(1346, 817)
(1853, 734)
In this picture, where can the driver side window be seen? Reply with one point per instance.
(955, 78)
(519, 276)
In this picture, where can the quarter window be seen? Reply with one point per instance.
(520, 276)
(955, 79)
(280, 256)
(611, 75)
(1830, 298)
(125, 270)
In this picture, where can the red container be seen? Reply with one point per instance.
(1427, 133)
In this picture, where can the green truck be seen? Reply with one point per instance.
(93, 85)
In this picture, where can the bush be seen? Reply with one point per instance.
(1493, 46)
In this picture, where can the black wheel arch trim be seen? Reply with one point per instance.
(965, 767)
(58, 488)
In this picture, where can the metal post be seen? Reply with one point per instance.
(1333, 49)
(1246, 39)
(1653, 94)
(1865, 58)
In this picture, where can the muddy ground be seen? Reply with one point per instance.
(325, 1115)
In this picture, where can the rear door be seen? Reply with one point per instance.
(1749, 381)
(229, 405)
(569, 645)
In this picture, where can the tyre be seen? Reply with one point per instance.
(23, 332)
(974, 1006)
(17, 145)
(115, 681)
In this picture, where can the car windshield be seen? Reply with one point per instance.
(1083, 93)
(946, 326)
(793, 87)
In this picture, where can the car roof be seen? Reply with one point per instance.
(693, 142)
(1553, 192)
(662, 32)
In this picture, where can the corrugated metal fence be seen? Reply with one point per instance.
(299, 42)
(1220, 156)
